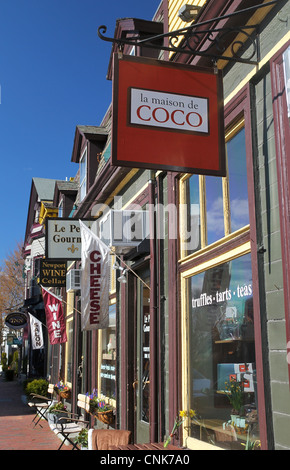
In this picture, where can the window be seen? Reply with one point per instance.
(237, 170)
(108, 362)
(60, 209)
(69, 345)
(69, 351)
(221, 353)
(213, 207)
(218, 347)
(190, 215)
(145, 355)
(83, 175)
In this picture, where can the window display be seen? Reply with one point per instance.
(145, 356)
(108, 364)
(222, 379)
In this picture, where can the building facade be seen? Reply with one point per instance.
(200, 296)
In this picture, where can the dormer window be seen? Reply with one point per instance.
(60, 209)
(83, 175)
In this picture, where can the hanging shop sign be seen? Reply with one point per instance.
(167, 116)
(55, 321)
(95, 281)
(63, 239)
(17, 341)
(36, 332)
(10, 339)
(16, 320)
(52, 273)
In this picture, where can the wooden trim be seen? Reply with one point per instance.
(153, 365)
(174, 375)
(216, 249)
(203, 219)
(123, 351)
(243, 103)
(282, 142)
(255, 69)
(223, 257)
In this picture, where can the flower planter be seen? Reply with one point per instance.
(65, 394)
(50, 419)
(239, 423)
(106, 417)
(53, 417)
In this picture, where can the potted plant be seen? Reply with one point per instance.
(94, 401)
(105, 413)
(178, 422)
(56, 411)
(82, 439)
(63, 390)
(100, 409)
(235, 394)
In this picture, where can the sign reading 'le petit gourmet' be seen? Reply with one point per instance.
(63, 239)
(167, 116)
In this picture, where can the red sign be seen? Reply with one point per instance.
(167, 116)
(54, 317)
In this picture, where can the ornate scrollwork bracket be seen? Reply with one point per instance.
(201, 39)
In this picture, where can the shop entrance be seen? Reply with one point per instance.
(142, 377)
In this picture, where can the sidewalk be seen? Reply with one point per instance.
(17, 432)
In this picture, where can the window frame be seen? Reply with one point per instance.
(83, 181)
(230, 133)
(239, 108)
(282, 143)
(70, 340)
(100, 335)
(186, 277)
(61, 208)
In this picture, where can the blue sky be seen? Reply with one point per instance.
(53, 70)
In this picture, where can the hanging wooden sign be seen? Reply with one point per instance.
(167, 116)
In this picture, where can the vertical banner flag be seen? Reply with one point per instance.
(54, 317)
(95, 281)
(36, 333)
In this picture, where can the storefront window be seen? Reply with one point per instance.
(222, 354)
(108, 364)
(190, 215)
(69, 351)
(145, 356)
(238, 186)
(213, 207)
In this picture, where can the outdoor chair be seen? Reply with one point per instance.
(104, 439)
(70, 425)
(41, 404)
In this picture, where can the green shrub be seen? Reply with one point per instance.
(4, 361)
(38, 386)
(14, 364)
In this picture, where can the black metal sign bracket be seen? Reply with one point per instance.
(214, 39)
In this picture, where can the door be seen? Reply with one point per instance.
(142, 378)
